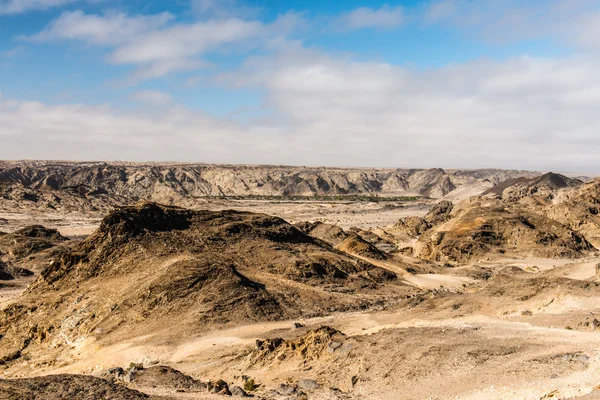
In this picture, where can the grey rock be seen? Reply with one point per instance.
(333, 346)
(238, 391)
(286, 390)
(308, 384)
(130, 376)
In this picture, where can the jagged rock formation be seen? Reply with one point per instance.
(542, 188)
(153, 264)
(328, 233)
(118, 183)
(26, 251)
(415, 226)
(355, 242)
(579, 209)
(479, 229)
(55, 387)
(357, 246)
(385, 245)
(311, 346)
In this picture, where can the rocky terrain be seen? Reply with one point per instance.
(158, 263)
(486, 289)
(542, 187)
(579, 210)
(487, 228)
(65, 184)
(66, 387)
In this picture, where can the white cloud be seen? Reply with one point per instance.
(177, 47)
(440, 10)
(36, 130)
(522, 113)
(526, 112)
(158, 47)
(574, 22)
(21, 6)
(385, 17)
(152, 97)
(111, 29)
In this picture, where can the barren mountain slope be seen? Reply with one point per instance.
(579, 209)
(23, 254)
(174, 182)
(414, 226)
(538, 190)
(153, 266)
(481, 228)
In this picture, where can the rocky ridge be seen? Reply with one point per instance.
(97, 183)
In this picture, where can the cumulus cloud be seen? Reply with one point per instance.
(111, 29)
(523, 113)
(385, 17)
(177, 48)
(573, 22)
(37, 130)
(158, 47)
(321, 109)
(21, 6)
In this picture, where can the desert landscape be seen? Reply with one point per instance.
(198, 281)
(299, 199)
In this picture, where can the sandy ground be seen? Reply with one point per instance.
(74, 225)
(364, 215)
(198, 356)
(210, 355)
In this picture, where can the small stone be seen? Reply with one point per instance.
(238, 391)
(130, 376)
(286, 390)
(308, 384)
(116, 372)
(333, 346)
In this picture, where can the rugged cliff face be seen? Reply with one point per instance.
(172, 182)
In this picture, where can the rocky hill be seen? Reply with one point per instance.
(152, 266)
(579, 209)
(26, 252)
(482, 228)
(542, 188)
(172, 183)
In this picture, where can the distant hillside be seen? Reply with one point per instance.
(170, 183)
(523, 186)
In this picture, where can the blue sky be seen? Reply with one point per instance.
(450, 83)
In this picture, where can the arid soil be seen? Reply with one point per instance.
(489, 297)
